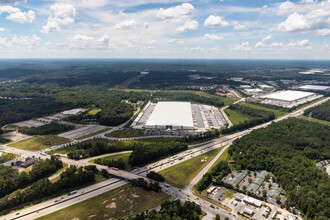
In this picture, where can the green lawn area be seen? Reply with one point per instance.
(94, 133)
(223, 156)
(236, 117)
(66, 150)
(123, 156)
(39, 142)
(121, 202)
(10, 127)
(124, 133)
(314, 120)
(183, 173)
(94, 111)
(278, 113)
(7, 157)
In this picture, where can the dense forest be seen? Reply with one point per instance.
(144, 153)
(172, 210)
(12, 180)
(70, 178)
(321, 112)
(289, 149)
(120, 164)
(52, 128)
(187, 96)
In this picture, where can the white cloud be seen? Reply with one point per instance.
(63, 15)
(212, 37)
(243, 47)
(310, 18)
(177, 12)
(63, 10)
(2, 29)
(286, 7)
(188, 26)
(267, 43)
(15, 14)
(124, 25)
(323, 32)
(24, 42)
(80, 37)
(103, 42)
(171, 40)
(240, 27)
(300, 44)
(215, 21)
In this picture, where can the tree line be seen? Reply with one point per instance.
(151, 186)
(289, 150)
(262, 116)
(188, 96)
(216, 173)
(12, 180)
(70, 178)
(52, 128)
(120, 164)
(321, 112)
(85, 150)
(147, 152)
(172, 210)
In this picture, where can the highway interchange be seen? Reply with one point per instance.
(61, 202)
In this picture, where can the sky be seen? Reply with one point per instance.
(215, 29)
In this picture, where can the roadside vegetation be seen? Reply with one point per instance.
(7, 157)
(119, 161)
(121, 202)
(125, 133)
(39, 142)
(321, 112)
(182, 174)
(52, 128)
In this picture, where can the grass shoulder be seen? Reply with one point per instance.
(125, 133)
(183, 173)
(237, 117)
(39, 142)
(314, 120)
(121, 202)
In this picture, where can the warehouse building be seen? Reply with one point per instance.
(288, 98)
(179, 116)
(315, 88)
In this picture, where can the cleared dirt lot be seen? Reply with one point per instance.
(15, 136)
(29, 123)
(77, 133)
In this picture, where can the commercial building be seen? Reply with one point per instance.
(248, 211)
(179, 116)
(315, 88)
(288, 98)
(251, 201)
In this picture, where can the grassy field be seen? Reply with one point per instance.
(123, 156)
(66, 150)
(7, 157)
(123, 201)
(94, 111)
(223, 156)
(183, 173)
(94, 133)
(278, 113)
(236, 117)
(39, 142)
(124, 133)
(314, 120)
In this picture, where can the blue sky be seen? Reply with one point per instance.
(245, 29)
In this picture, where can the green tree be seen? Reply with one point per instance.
(217, 217)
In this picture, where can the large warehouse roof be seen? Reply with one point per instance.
(314, 87)
(176, 114)
(288, 95)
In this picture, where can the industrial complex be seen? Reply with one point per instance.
(288, 98)
(179, 116)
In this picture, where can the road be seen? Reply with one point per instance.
(225, 116)
(97, 189)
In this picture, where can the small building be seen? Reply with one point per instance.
(28, 162)
(211, 189)
(248, 211)
(251, 201)
(238, 197)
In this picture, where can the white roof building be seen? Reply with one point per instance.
(252, 201)
(315, 87)
(288, 95)
(171, 115)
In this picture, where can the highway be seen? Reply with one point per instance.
(97, 189)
